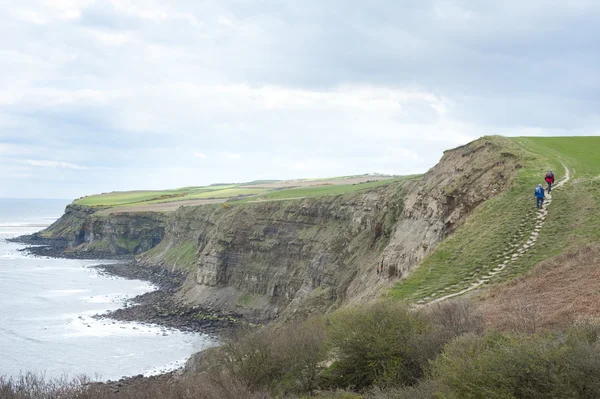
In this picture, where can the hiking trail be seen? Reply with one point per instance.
(509, 256)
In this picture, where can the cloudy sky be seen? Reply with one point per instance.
(109, 95)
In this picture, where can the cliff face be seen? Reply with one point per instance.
(263, 258)
(294, 258)
(297, 257)
(87, 229)
(464, 178)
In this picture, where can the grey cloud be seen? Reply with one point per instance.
(279, 83)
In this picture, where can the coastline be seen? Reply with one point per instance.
(60, 248)
(160, 307)
(157, 308)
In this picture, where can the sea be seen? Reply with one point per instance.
(47, 304)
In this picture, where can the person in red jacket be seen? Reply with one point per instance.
(550, 180)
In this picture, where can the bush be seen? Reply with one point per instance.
(284, 360)
(373, 344)
(519, 366)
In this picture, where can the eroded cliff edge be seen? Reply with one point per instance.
(297, 257)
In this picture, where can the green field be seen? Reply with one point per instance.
(573, 219)
(316, 191)
(228, 193)
(282, 190)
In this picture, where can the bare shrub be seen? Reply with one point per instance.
(36, 386)
(32, 386)
(284, 359)
(525, 317)
(447, 320)
(456, 317)
(300, 350)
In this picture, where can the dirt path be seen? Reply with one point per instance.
(511, 255)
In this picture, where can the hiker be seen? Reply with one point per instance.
(539, 196)
(550, 180)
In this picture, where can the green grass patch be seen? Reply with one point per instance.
(182, 256)
(119, 198)
(224, 191)
(228, 193)
(128, 243)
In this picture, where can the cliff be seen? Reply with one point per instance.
(296, 257)
(89, 230)
(293, 258)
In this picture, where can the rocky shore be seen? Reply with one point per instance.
(160, 307)
(61, 248)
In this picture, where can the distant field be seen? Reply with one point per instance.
(264, 190)
(229, 193)
(320, 190)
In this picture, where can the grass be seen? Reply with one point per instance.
(128, 243)
(228, 193)
(473, 250)
(303, 192)
(182, 256)
(120, 198)
(225, 191)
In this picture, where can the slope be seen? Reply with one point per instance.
(507, 225)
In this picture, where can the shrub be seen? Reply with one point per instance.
(285, 359)
(31, 386)
(448, 320)
(519, 366)
(373, 344)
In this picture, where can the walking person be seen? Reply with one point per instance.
(539, 196)
(550, 180)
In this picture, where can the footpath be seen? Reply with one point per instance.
(506, 259)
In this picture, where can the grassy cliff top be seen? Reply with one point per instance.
(168, 200)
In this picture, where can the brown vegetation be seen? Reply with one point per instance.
(554, 295)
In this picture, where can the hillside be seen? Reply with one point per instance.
(467, 224)
(292, 251)
(506, 237)
(314, 254)
(468, 227)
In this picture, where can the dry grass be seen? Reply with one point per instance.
(31, 386)
(555, 294)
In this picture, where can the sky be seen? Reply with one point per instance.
(99, 96)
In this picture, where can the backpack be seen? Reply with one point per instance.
(538, 190)
(550, 175)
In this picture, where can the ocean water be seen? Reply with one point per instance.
(46, 309)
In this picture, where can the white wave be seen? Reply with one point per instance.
(60, 293)
(171, 366)
(85, 326)
(108, 298)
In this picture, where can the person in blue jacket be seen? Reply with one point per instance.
(539, 196)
